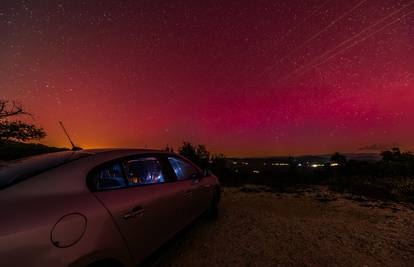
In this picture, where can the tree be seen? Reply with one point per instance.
(203, 156)
(197, 154)
(392, 155)
(387, 156)
(16, 131)
(169, 148)
(189, 151)
(217, 163)
(9, 109)
(19, 131)
(395, 155)
(338, 158)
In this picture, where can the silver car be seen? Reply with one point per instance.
(109, 207)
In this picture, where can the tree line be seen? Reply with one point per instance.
(390, 177)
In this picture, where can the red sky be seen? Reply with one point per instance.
(242, 77)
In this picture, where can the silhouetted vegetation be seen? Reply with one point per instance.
(16, 131)
(16, 150)
(14, 134)
(197, 154)
(19, 131)
(338, 158)
(169, 148)
(391, 178)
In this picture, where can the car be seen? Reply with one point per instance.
(102, 207)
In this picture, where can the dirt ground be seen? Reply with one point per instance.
(311, 227)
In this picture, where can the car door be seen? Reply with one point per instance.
(191, 177)
(145, 205)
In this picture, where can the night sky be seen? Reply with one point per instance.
(242, 77)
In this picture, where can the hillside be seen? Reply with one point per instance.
(15, 150)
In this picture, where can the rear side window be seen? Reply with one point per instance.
(142, 171)
(182, 169)
(109, 177)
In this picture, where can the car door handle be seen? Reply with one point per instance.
(137, 211)
(188, 193)
(207, 185)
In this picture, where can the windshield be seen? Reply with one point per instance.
(18, 170)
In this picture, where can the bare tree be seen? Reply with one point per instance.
(16, 131)
(11, 108)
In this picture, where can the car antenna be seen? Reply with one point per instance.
(70, 140)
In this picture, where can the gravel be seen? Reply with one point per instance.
(312, 227)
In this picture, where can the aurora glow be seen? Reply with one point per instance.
(151, 73)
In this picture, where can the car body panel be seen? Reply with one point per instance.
(31, 208)
(203, 191)
(158, 216)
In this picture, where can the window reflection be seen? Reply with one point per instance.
(183, 170)
(110, 177)
(144, 171)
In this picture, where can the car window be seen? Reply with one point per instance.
(142, 171)
(183, 170)
(109, 177)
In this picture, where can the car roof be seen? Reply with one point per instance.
(106, 150)
(17, 170)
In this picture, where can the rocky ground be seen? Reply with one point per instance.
(309, 227)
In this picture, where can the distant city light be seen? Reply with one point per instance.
(334, 164)
(256, 171)
(280, 164)
(317, 165)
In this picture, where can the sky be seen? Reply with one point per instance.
(245, 78)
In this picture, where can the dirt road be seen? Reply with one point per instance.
(314, 227)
